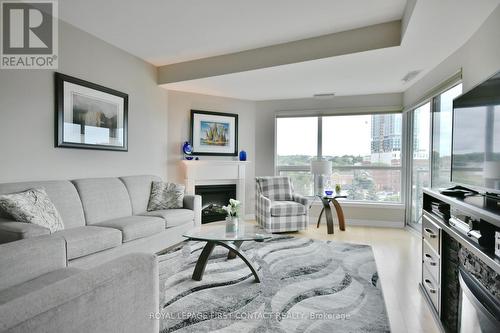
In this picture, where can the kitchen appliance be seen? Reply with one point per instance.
(479, 308)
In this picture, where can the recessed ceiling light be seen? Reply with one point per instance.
(324, 95)
(410, 76)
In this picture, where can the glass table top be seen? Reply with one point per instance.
(222, 231)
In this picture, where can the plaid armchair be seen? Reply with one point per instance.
(277, 207)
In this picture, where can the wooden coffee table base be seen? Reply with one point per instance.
(234, 251)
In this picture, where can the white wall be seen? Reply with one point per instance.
(27, 115)
(479, 58)
(179, 111)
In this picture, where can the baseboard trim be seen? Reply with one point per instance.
(375, 223)
(365, 223)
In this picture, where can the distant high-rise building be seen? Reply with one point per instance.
(386, 133)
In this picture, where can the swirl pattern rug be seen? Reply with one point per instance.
(307, 286)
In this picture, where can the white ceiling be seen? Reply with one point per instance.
(170, 31)
(164, 32)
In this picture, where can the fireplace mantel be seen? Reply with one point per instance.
(215, 172)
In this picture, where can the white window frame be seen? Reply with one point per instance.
(319, 150)
(430, 97)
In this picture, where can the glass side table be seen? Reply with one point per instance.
(327, 209)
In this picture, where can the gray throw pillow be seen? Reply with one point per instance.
(166, 196)
(32, 206)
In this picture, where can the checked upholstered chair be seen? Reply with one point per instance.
(277, 207)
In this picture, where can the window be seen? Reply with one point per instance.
(296, 145)
(441, 136)
(430, 169)
(365, 151)
(297, 140)
(420, 159)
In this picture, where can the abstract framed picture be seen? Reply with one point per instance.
(214, 133)
(90, 116)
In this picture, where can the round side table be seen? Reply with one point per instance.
(326, 200)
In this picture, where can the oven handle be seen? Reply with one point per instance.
(478, 295)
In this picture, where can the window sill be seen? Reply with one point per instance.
(369, 204)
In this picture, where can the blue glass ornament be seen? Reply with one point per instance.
(187, 148)
(243, 155)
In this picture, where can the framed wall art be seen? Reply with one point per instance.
(214, 133)
(90, 116)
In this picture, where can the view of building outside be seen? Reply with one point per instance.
(365, 151)
(441, 136)
(420, 159)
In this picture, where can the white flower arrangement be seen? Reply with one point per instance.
(233, 209)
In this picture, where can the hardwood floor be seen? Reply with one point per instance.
(397, 254)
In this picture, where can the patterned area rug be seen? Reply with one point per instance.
(307, 286)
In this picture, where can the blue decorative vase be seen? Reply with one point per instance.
(187, 148)
(243, 155)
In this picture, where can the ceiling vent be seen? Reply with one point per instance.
(410, 76)
(325, 95)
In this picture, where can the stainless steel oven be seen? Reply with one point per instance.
(479, 309)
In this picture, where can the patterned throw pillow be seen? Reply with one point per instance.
(166, 196)
(32, 206)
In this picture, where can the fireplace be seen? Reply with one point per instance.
(213, 197)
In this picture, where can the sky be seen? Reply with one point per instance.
(342, 135)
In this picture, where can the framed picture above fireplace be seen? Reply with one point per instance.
(89, 116)
(214, 133)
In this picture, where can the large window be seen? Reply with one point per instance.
(365, 151)
(432, 119)
(421, 120)
(441, 136)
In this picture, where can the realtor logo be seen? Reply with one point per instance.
(29, 34)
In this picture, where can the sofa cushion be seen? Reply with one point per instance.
(32, 206)
(86, 240)
(103, 199)
(63, 195)
(173, 217)
(37, 283)
(275, 188)
(134, 227)
(139, 189)
(287, 208)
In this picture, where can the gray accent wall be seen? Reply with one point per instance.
(179, 113)
(27, 115)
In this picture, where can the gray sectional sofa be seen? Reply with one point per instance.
(105, 218)
(39, 293)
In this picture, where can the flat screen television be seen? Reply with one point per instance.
(476, 137)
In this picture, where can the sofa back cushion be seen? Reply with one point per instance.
(63, 195)
(139, 189)
(103, 199)
(275, 188)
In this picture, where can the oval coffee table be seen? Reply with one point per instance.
(218, 234)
